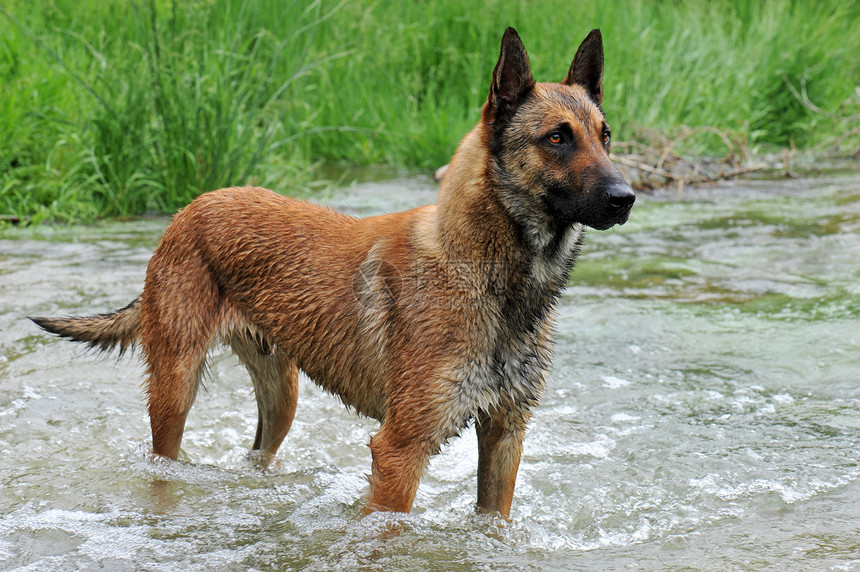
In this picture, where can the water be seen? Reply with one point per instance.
(702, 413)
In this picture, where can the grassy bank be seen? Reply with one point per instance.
(117, 108)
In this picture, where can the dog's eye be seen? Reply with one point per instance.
(555, 138)
(607, 137)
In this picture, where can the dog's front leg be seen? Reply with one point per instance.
(399, 458)
(500, 445)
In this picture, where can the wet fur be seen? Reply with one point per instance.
(425, 320)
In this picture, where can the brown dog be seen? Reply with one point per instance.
(424, 320)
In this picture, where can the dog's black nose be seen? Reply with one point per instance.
(620, 197)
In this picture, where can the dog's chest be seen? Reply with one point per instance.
(510, 374)
(511, 370)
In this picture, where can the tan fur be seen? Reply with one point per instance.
(425, 320)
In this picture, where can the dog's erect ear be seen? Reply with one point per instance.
(587, 67)
(512, 78)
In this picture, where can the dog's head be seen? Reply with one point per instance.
(549, 142)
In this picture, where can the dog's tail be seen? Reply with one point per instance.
(105, 331)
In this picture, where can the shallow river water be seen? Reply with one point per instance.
(703, 412)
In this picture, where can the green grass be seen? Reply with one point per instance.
(112, 108)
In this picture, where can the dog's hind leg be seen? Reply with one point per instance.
(180, 314)
(173, 376)
(276, 385)
(500, 446)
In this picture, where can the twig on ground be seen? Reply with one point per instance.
(691, 178)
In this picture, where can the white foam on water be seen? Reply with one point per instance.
(613, 382)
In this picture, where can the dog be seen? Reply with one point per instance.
(427, 320)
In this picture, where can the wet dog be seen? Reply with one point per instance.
(426, 320)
